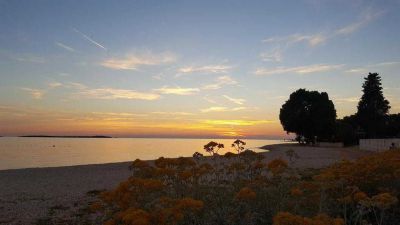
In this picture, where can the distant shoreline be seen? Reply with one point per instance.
(51, 136)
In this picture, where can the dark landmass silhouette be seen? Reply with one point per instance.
(51, 136)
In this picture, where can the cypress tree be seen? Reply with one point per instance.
(372, 108)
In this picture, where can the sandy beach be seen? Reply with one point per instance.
(27, 195)
(30, 196)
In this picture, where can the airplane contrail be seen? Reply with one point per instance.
(90, 39)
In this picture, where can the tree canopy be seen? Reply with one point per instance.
(309, 114)
(372, 107)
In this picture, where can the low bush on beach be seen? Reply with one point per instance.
(243, 189)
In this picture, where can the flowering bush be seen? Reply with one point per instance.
(244, 189)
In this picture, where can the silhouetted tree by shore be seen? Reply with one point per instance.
(238, 145)
(372, 107)
(212, 147)
(310, 115)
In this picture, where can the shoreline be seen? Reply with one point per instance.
(31, 193)
(67, 166)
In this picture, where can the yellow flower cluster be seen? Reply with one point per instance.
(244, 189)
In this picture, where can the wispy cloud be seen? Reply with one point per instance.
(83, 91)
(75, 85)
(299, 69)
(347, 100)
(274, 55)
(54, 84)
(217, 68)
(220, 82)
(177, 90)
(65, 47)
(35, 93)
(283, 43)
(367, 68)
(222, 109)
(364, 19)
(133, 61)
(312, 39)
(357, 70)
(208, 99)
(27, 57)
(90, 39)
(318, 38)
(239, 101)
(111, 93)
(238, 122)
(173, 113)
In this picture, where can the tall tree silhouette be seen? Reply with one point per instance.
(372, 107)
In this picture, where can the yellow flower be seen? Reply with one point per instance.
(296, 192)
(277, 166)
(360, 196)
(246, 194)
(384, 200)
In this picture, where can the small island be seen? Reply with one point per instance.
(63, 136)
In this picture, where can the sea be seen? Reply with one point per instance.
(33, 152)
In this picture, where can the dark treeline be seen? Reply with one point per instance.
(311, 115)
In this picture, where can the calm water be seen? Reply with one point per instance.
(18, 152)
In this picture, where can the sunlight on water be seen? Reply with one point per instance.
(49, 152)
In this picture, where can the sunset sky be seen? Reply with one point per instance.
(186, 68)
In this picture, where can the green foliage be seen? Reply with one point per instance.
(309, 114)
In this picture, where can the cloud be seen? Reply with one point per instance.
(89, 39)
(365, 69)
(220, 82)
(281, 44)
(208, 99)
(177, 90)
(107, 93)
(112, 116)
(133, 61)
(173, 113)
(347, 100)
(364, 19)
(393, 63)
(321, 37)
(298, 70)
(238, 122)
(29, 58)
(35, 93)
(356, 70)
(75, 85)
(238, 101)
(55, 84)
(222, 109)
(318, 38)
(64, 46)
(273, 56)
(312, 39)
(215, 109)
(219, 68)
(111, 93)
